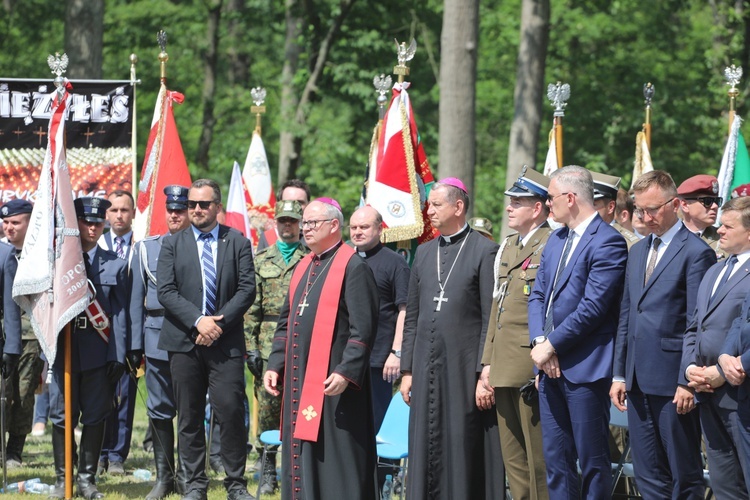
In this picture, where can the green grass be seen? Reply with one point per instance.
(38, 462)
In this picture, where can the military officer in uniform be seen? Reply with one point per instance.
(23, 381)
(605, 202)
(273, 272)
(507, 368)
(699, 206)
(146, 316)
(98, 354)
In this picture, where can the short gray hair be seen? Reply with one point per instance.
(577, 179)
(453, 194)
(333, 213)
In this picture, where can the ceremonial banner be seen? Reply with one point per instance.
(98, 134)
(259, 195)
(236, 207)
(550, 163)
(51, 282)
(642, 162)
(164, 164)
(399, 175)
(735, 164)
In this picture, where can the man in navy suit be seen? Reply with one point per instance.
(573, 312)
(661, 288)
(720, 298)
(206, 282)
(734, 358)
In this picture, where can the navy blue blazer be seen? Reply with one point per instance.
(737, 343)
(712, 320)
(586, 303)
(11, 311)
(654, 317)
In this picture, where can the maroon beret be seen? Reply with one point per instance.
(741, 190)
(702, 184)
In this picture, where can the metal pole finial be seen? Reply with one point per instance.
(59, 65)
(404, 54)
(558, 95)
(382, 84)
(258, 95)
(161, 39)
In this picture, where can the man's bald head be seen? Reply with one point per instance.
(365, 228)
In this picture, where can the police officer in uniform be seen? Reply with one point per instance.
(23, 381)
(699, 207)
(273, 272)
(606, 188)
(98, 354)
(507, 369)
(146, 316)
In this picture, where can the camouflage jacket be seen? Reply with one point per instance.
(272, 277)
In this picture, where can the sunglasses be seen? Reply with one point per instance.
(203, 204)
(707, 201)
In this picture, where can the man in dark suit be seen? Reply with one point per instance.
(202, 331)
(572, 322)
(661, 288)
(720, 298)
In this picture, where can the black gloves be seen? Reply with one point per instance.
(255, 363)
(114, 371)
(133, 360)
(10, 361)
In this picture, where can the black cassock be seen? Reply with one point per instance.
(454, 448)
(342, 463)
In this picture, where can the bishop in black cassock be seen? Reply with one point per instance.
(454, 449)
(341, 462)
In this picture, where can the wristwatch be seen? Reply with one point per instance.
(397, 353)
(538, 340)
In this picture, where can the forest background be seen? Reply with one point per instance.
(478, 89)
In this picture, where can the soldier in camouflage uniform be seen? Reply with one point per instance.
(23, 381)
(605, 202)
(699, 207)
(273, 272)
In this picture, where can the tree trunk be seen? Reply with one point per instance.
(292, 50)
(84, 38)
(290, 146)
(209, 84)
(458, 75)
(529, 91)
(239, 57)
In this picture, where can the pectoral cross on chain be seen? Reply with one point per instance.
(302, 305)
(439, 300)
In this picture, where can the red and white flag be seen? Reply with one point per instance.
(163, 165)
(400, 177)
(259, 195)
(236, 207)
(51, 282)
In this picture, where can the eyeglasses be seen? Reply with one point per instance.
(175, 210)
(313, 224)
(639, 212)
(707, 201)
(286, 220)
(203, 204)
(551, 198)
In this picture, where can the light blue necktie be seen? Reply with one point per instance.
(209, 273)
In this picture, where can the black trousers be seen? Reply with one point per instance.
(195, 373)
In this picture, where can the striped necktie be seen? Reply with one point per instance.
(119, 250)
(209, 273)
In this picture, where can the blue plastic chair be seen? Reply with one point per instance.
(268, 438)
(393, 437)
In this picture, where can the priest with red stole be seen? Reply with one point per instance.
(321, 355)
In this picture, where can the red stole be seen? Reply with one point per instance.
(312, 397)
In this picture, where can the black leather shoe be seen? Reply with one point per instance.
(194, 495)
(239, 494)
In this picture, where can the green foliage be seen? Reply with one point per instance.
(606, 50)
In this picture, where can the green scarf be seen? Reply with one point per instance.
(287, 249)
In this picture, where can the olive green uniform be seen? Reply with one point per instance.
(506, 351)
(24, 381)
(272, 277)
(630, 237)
(711, 237)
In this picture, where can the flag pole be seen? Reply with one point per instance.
(134, 126)
(59, 66)
(558, 94)
(648, 94)
(732, 75)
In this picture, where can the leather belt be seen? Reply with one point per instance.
(155, 313)
(271, 317)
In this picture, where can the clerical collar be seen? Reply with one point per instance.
(369, 253)
(329, 252)
(452, 238)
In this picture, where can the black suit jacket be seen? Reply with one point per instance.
(180, 290)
